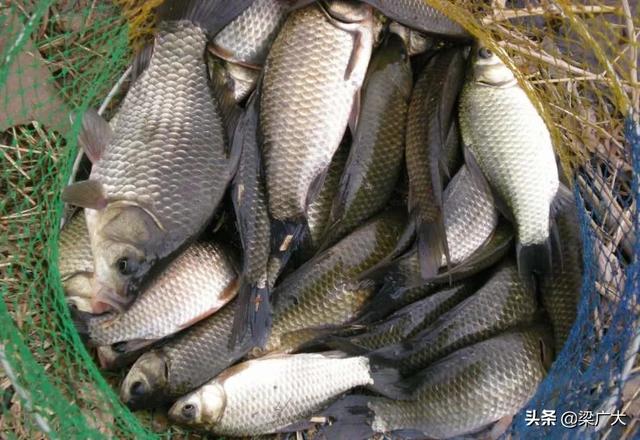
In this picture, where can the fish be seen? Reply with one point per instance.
(470, 216)
(325, 291)
(429, 123)
(253, 223)
(560, 292)
(232, 84)
(319, 210)
(508, 146)
(375, 160)
(267, 395)
(247, 39)
(75, 264)
(461, 394)
(313, 72)
(183, 363)
(502, 303)
(194, 285)
(417, 14)
(411, 319)
(415, 42)
(159, 175)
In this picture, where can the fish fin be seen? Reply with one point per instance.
(95, 135)
(430, 247)
(286, 237)
(387, 380)
(132, 345)
(86, 194)
(350, 418)
(356, 108)
(253, 313)
(478, 176)
(81, 321)
(534, 262)
(563, 200)
(210, 15)
(141, 62)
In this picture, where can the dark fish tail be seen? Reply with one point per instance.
(286, 237)
(534, 262)
(210, 15)
(253, 312)
(431, 246)
(350, 418)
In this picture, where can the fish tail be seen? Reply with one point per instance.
(253, 312)
(431, 238)
(387, 379)
(350, 418)
(210, 15)
(286, 237)
(81, 321)
(534, 262)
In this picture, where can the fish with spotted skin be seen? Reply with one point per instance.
(194, 285)
(461, 394)
(267, 395)
(159, 175)
(508, 147)
(375, 160)
(312, 74)
(75, 263)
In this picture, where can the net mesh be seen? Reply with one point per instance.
(577, 60)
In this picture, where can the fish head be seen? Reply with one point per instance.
(348, 11)
(79, 290)
(490, 70)
(125, 239)
(204, 407)
(146, 382)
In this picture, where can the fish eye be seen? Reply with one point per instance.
(125, 266)
(137, 389)
(485, 53)
(189, 411)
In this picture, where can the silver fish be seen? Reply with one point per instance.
(314, 69)
(159, 175)
(509, 144)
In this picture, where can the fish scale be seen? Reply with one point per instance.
(165, 156)
(471, 388)
(197, 282)
(74, 253)
(502, 303)
(325, 291)
(247, 38)
(305, 105)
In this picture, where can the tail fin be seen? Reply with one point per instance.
(534, 262)
(431, 247)
(350, 418)
(253, 312)
(387, 380)
(286, 237)
(210, 15)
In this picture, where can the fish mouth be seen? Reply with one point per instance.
(107, 299)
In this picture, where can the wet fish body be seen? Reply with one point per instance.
(159, 175)
(502, 303)
(266, 395)
(377, 150)
(184, 363)
(313, 71)
(75, 263)
(197, 283)
(326, 291)
(246, 40)
(461, 394)
(509, 144)
(428, 127)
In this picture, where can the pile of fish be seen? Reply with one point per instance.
(340, 211)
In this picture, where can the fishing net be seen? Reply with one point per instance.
(577, 60)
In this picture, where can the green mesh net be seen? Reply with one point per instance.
(577, 60)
